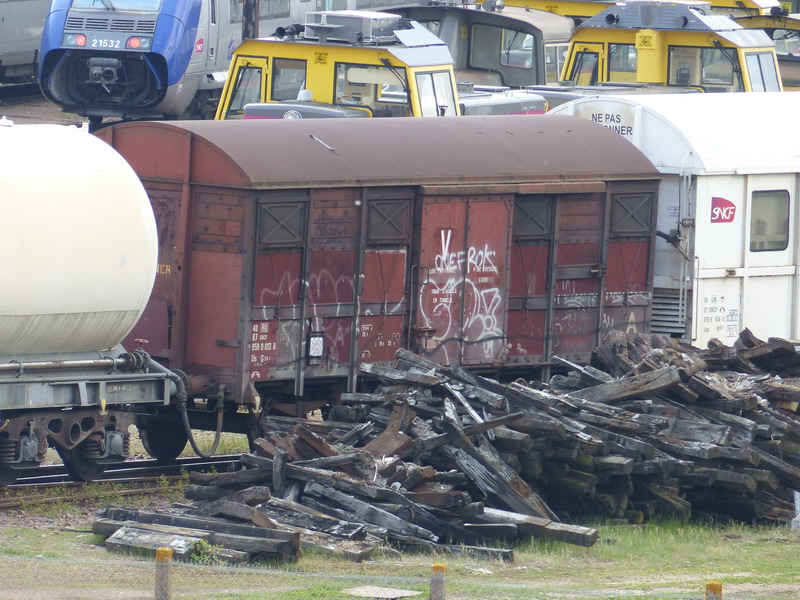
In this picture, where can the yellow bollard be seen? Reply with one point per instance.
(714, 590)
(437, 581)
(163, 569)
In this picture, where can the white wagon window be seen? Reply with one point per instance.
(769, 221)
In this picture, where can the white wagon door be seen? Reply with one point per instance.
(746, 257)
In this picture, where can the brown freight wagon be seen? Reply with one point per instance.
(293, 250)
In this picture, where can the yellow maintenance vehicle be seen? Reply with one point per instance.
(580, 10)
(784, 29)
(357, 64)
(676, 45)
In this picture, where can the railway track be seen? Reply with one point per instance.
(137, 477)
(20, 91)
(23, 104)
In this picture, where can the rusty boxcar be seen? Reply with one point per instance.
(292, 251)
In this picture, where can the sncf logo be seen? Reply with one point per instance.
(722, 210)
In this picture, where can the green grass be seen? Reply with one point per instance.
(654, 560)
(657, 560)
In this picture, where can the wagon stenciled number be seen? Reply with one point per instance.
(106, 44)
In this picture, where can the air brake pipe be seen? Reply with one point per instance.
(127, 360)
(182, 398)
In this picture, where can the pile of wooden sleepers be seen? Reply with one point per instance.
(439, 458)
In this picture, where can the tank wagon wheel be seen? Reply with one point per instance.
(164, 441)
(79, 462)
(8, 475)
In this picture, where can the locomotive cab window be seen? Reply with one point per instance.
(236, 11)
(762, 72)
(554, 57)
(122, 5)
(288, 78)
(584, 70)
(622, 62)
(247, 89)
(436, 95)
(716, 69)
(769, 221)
(382, 89)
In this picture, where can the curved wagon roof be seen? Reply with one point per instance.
(702, 133)
(377, 152)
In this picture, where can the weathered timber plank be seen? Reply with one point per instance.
(253, 545)
(371, 513)
(357, 433)
(107, 527)
(536, 427)
(492, 476)
(590, 376)
(403, 376)
(337, 480)
(417, 475)
(208, 524)
(440, 499)
(636, 386)
(133, 539)
(237, 510)
(207, 492)
(243, 477)
(298, 515)
(264, 448)
(543, 528)
(426, 444)
(612, 464)
(392, 441)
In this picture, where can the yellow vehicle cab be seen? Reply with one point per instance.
(670, 44)
(784, 30)
(356, 64)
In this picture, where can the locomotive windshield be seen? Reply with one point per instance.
(127, 5)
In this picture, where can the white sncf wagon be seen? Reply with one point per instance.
(727, 249)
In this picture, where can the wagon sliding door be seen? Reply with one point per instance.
(461, 300)
(329, 285)
(573, 278)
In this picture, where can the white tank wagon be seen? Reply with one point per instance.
(727, 253)
(79, 242)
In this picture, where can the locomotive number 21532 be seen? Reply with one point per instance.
(106, 44)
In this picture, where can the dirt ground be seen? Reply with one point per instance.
(38, 110)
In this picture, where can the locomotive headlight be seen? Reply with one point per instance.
(138, 43)
(74, 39)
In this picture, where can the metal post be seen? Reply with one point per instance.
(163, 570)
(714, 590)
(437, 581)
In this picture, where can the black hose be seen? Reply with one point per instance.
(182, 399)
(217, 434)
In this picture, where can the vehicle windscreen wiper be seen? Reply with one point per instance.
(108, 4)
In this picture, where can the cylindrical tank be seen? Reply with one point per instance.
(78, 242)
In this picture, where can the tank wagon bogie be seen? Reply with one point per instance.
(285, 266)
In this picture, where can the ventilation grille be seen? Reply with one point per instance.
(122, 25)
(668, 315)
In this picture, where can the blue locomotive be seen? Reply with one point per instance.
(136, 59)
